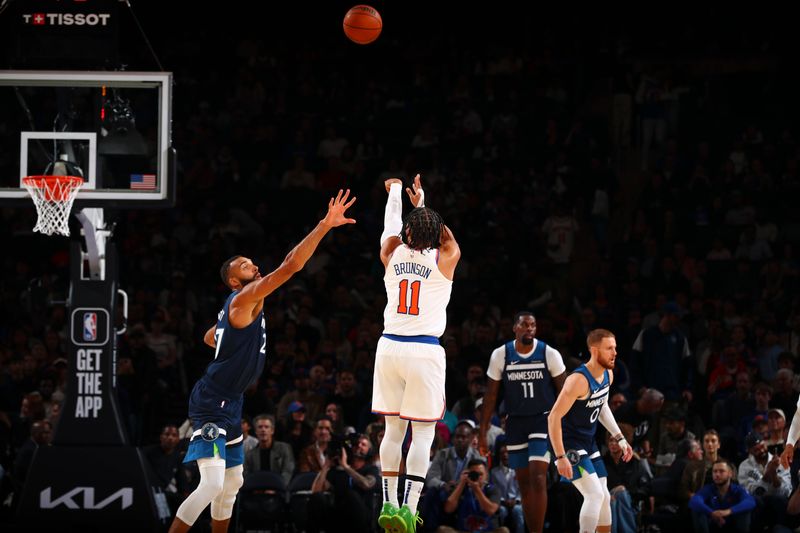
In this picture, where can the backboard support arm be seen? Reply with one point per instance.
(95, 232)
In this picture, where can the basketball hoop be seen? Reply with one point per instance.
(53, 197)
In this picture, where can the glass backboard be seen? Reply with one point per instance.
(111, 128)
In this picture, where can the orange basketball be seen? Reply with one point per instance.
(362, 24)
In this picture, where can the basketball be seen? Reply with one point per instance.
(362, 24)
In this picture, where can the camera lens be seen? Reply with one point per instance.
(474, 476)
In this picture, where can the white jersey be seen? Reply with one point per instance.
(417, 293)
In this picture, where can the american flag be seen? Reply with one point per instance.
(143, 181)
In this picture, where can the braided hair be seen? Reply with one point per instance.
(423, 229)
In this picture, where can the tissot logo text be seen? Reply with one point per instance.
(66, 19)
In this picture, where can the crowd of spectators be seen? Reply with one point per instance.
(646, 194)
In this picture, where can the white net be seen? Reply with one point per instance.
(53, 197)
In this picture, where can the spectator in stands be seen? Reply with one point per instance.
(445, 470)
(762, 394)
(166, 462)
(698, 474)
(312, 457)
(628, 483)
(722, 505)
(505, 480)
(689, 451)
(616, 400)
(250, 441)
(312, 402)
(727, 414)
(465, 407)
(474, 502)
(722, 380)
(41, 435)
(676, 432)
(334, 412)
(784, 396)
(661, 357)
(639, 416)
(351, 479)
(271, 455)
(349, 398)
(296, 432)
(762, 475)
(776, 423)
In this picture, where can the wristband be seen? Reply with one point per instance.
(562, 456)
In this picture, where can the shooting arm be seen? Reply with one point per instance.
(393, 215)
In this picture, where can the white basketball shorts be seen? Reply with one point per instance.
(409, 380)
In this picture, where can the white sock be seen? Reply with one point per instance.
(412, 492)
(390, 490)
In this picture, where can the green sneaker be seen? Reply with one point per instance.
(385, 518)
(405, 522)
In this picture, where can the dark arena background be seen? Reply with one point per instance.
(628, 168)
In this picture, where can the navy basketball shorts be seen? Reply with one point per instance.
(526, 439)
(216, 425)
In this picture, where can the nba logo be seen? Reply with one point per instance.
(90, 326)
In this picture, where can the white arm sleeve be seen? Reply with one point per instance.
(607, 419)
(794, 429)
(393, 216)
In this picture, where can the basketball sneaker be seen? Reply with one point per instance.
(405, 522)
(385, 519)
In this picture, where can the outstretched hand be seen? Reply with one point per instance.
(416, 195)
(336, 209)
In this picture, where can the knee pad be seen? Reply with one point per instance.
(605, 510)
(212, 482)
(419, 454)
(222, 505)
(592, 490)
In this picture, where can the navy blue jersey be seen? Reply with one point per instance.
(580, 422)
(527, 382)
(240, 353)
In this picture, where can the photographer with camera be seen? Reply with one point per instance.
(474, 501)
(342, 493)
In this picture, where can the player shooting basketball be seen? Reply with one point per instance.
(420, 257)
(240, 340)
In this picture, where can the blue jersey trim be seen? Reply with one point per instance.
(423, 339)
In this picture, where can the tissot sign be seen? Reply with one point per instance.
(66, 19)
(49, 34)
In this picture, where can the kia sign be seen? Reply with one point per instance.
(92, 489)
(72, 500)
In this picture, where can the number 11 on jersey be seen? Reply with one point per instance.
(403, 307)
